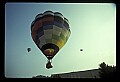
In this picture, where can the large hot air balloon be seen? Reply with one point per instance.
(50, 31)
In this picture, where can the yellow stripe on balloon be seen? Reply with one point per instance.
(60, 43)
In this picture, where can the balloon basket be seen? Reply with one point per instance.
(49, 65)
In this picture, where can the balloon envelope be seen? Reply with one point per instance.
(50, 31)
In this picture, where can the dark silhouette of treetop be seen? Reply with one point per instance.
(107, 71)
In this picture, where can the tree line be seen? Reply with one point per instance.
(107, 71)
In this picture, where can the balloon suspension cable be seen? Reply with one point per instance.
(50, 60)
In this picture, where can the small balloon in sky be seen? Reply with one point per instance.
(28, 49)
(81, 49)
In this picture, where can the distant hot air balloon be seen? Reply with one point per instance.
(50, 31)
(81, 49)
(28, 49)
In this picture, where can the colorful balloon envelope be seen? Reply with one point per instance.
(50, 31)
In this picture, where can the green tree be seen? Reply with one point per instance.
(107, 71)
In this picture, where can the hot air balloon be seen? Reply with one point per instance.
(28, 49)
(50, 31)
(81, 49)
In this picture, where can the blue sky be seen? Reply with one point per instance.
(93, 28)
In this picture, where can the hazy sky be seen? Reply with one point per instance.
(93, 28)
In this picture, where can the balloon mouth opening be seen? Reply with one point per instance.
(49, 52)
